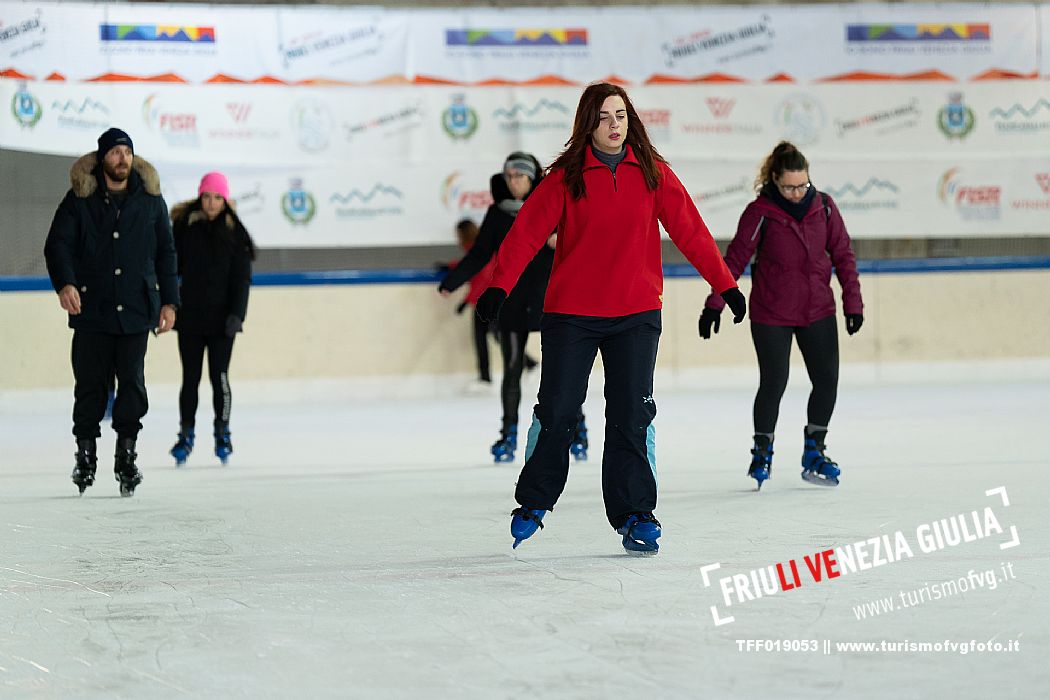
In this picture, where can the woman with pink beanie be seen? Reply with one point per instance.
(215, 256)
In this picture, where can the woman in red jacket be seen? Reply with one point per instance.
(605, 194)
(796, 237)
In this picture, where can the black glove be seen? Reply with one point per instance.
(461, 307)
(710, 320)
(443, 286)
(854, 322)
(736, 302)
(233, 325)
(489, 304)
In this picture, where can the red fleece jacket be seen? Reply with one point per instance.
(607, 262)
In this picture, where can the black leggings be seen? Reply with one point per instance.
(819, 344)
(191, 351)
(481, 346)
(512, 346)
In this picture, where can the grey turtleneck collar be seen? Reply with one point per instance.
(612, 160)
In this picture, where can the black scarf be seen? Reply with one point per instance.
(797, 210)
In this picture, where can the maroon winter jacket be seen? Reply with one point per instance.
(607, 262)
(791, 280)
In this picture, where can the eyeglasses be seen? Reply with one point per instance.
(795, 189)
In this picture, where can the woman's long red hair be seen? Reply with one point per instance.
(572, 158)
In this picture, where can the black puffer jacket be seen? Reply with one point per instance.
(524, 305)
(215, 268)
(122, 262)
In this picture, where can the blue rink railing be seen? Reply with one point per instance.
(679, 270)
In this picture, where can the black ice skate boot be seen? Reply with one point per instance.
(124, 467)
(87, 461)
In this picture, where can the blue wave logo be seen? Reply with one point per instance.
(869, 186)
(71, 106)
(1019, 109)
(365, 198)
(519, 110)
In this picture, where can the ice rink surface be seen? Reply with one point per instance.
(360, 548)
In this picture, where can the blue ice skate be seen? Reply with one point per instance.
(817, 468)
(761, 460)
(525, 523)
(640, 532)
(223, 444)
(503, 449)
(183, 447)
(579, 441)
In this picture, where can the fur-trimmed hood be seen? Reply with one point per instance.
(84, 180)
(191, 212)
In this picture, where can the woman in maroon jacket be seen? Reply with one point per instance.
(605, 194)
(796, 237)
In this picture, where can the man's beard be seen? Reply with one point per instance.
(112, 173)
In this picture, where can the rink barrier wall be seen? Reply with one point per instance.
(425, 276)
(369, 326)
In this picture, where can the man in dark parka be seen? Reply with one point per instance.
(111, 259)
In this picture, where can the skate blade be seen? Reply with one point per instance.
(638, 547)
(812, 478)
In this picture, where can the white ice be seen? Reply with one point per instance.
(359, 547)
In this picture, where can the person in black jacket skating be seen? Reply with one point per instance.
(215, 256)
(111, 259)
(510, 187)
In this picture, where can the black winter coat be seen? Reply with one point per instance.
(524, 305)
(215, 269)
(122, 262)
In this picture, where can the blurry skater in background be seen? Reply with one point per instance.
(796, 236)
(467, 235)
(511, 187)
(111, 259)
(215, 270)
(606, 195)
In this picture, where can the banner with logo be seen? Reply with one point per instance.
(365, 126)
(203, 44)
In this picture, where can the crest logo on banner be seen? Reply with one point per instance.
(973, 202)
(313, 123)
(801, 119)
(955, 119)
(297, 204)
(460, 121)
(25, 107)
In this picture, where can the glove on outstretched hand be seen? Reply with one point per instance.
(710, 320)
(489, 304)
(854, 322)
(735, 301)
(233, 326)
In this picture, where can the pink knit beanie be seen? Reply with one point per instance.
(215, 182)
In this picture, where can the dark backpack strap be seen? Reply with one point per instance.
(827, 207)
